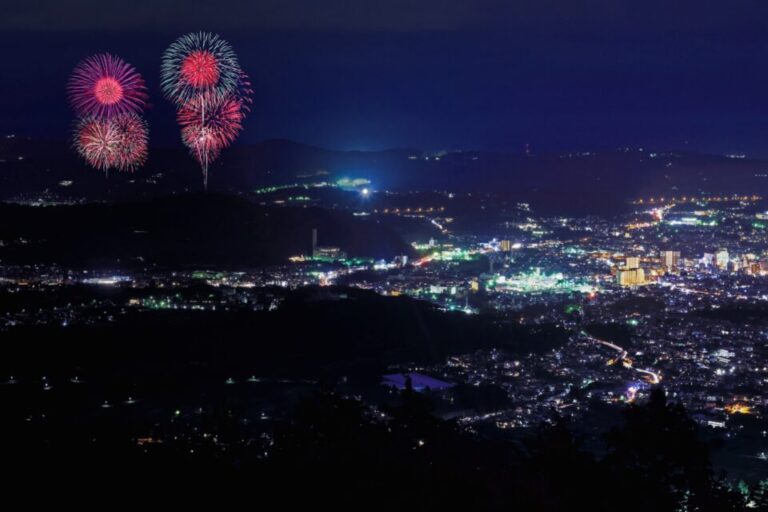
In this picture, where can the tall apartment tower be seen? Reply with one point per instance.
(722, 258)
(631, 274)
(670, 259)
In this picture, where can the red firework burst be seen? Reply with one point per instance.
(97, 141)
(198, 63)
(200, 69)
(132, 147)
(105, 85)
(210, 123)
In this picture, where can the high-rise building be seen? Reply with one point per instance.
(632, 263)
(630, 277)
(505, 245)
(314, 242)
(670, 259)
(721, 259)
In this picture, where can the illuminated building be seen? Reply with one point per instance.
(721, 259)
(505, 245)
(329, 253)
(537, 281)
(631, 274)
(738, 408)
(670, 259)
(630, 277)
(325, 253)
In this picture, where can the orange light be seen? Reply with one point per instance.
(738, 409)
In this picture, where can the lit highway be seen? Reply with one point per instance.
(652, 377)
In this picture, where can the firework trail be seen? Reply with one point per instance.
(201, 75)
(104, 85)
(210, 123)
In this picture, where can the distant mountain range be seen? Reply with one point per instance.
(578, 182)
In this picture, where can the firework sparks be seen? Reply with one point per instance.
(210, 123)
(119, 143)
(132, 148)
(197, 63)
(201, 75)
(244, 91)
(220, 116)
(106, 86)
(97, 141)
(108, 95)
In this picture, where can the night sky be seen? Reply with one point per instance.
(451, 74)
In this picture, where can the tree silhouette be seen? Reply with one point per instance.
(656, 461)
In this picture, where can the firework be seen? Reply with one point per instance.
(222, 116)
(210, 123)
(201, 75)
(119, 143)
(132, 147)
(199, 63)
(104, 85)
(97, 141)
(244, 91)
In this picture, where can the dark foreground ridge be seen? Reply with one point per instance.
(316, 333)
(255, 404)
(333, 451)
(202, 229)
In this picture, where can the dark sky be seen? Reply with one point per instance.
(482, 74)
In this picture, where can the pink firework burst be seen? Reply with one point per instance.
(97, 141)
(132, 147)
(209, 123)
(105, 85)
